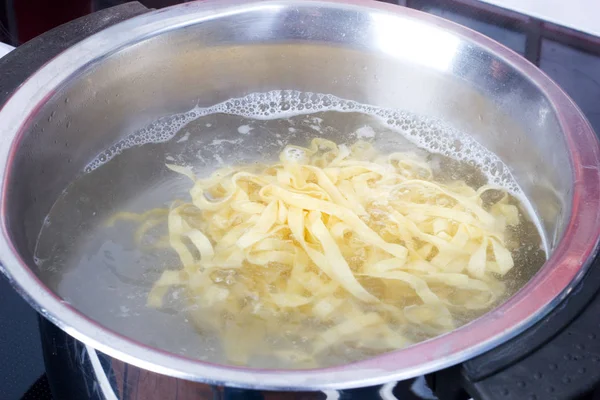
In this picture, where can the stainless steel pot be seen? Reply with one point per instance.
(203, 53)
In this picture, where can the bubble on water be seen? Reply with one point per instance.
(244, 129)
(365, 132)
(426, 133)
(294, 154)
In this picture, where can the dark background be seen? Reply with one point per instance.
(569, 57)
(24, 19)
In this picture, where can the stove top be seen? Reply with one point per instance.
(571, 58)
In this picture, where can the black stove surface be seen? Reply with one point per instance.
(570, 58)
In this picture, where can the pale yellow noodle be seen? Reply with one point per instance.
(342, 238)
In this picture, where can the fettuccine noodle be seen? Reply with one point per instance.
(333, 245)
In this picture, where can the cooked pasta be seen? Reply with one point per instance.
(333, 245)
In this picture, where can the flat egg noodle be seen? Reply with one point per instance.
(339, 245)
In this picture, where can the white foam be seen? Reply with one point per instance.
(294, 154)
(244, 129)
(184, 138)
(218, 158)
(219, 142)
(365, 132)
(424, 132)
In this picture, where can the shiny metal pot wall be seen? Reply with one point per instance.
(168, 61)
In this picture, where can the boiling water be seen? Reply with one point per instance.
(103, 273)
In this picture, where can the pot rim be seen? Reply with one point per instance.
(563, 270)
